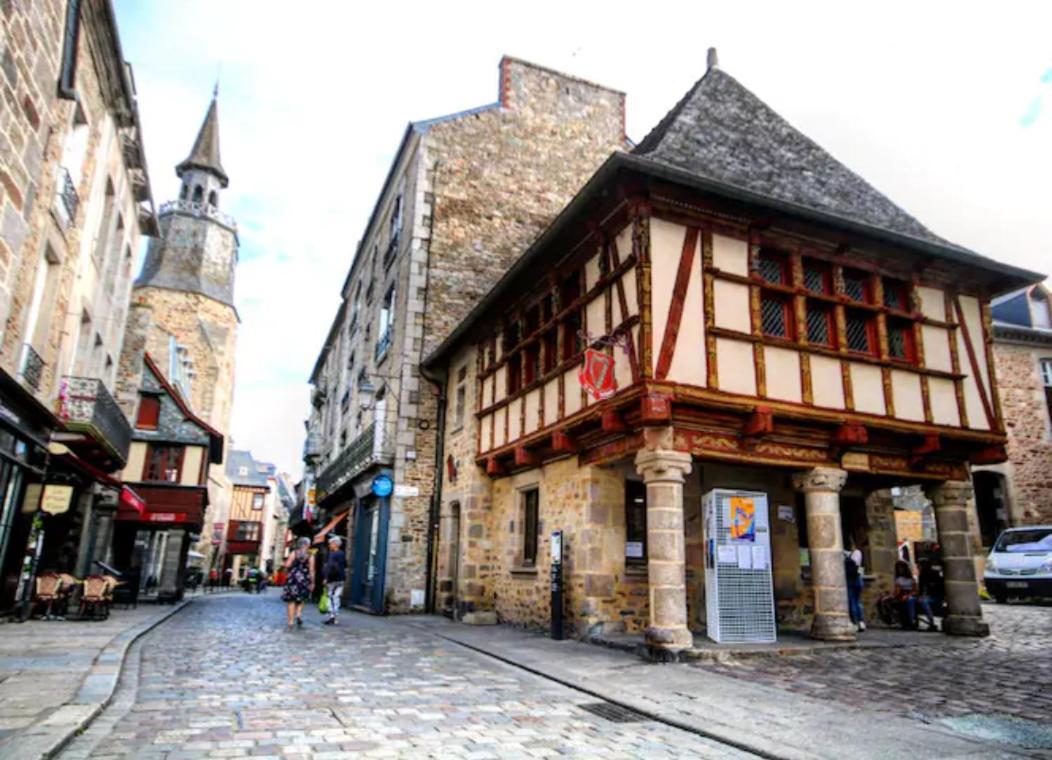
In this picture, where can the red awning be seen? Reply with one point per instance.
(171, 505)
(129, 498)
(319, 537)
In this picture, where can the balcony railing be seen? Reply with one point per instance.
(31, 368)
(86, 406)
(370, 448)
(67, 196)
(197, 208)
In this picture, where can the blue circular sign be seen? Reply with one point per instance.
(382, 485)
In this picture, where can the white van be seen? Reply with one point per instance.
(1020, 564)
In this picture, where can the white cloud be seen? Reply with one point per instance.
(924, 100)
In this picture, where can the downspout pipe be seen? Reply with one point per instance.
(438, 380)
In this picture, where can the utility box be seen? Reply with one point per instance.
(739, 596)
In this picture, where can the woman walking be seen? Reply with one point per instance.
(300, 582)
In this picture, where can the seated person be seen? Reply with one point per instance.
(931, 588)
(906, 595)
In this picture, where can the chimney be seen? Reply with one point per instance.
(711, 61)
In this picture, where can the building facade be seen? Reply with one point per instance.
(1019, 491)
(74, 203)
(182, 308)
(707, 374)
(256, 518)
(464, 194)
(167, 472)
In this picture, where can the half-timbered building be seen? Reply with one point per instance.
(725, 307)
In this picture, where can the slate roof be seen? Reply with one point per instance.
(723, 132)
(205, 153)
(236, 459)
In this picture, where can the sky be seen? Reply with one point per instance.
(944, 107)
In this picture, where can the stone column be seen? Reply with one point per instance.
(964, 615)
(883, 548)
(821, 488)
(663, 471)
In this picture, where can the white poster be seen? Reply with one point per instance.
(634, 549)
(726, 555)
(744, 556)
(759, 557)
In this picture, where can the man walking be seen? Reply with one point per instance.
(335, 573)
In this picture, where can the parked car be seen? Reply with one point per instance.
(1020, 564)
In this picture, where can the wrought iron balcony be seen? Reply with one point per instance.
(311, 447)
(67, 196)
(30, 368)
(372, 447)
(197, 208)
(87, 410)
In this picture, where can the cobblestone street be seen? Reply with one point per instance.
(223, 679)
(1007, 674)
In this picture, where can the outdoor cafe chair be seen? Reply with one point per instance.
(93, 599)
(48, 591)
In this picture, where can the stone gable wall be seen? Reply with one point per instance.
(1026, 415)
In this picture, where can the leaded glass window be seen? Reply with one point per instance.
(819, 325)
(855, 285)
(771, 267)
(858, 333)
(775, 317)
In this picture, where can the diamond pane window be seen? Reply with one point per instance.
(900, 340)
(895, 295)
(774, 314)
(770, 265)
(816, 278)
(819, 326)
(855, 285)
(858, 334)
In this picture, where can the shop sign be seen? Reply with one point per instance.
(853, 460)
(786, 513)
(170, 517)
(56, 499)
(382, 485)
(634, 549)
(132, 500)
(217, 533)
(597, 374)
(403, 491)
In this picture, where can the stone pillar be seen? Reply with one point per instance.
(964, 615)
(663, 471)
(882, 550)
(821, 488)
(170, 584)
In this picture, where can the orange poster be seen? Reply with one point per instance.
(743, 519)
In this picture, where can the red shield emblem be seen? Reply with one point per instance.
(597, 374)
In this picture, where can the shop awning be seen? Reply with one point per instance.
(166, 505)
(129, 498)
(319, 537)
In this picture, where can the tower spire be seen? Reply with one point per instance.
(205, 153)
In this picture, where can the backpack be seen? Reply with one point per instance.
(850, 569)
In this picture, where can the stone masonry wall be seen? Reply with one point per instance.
(34, 123)
(477, 192)
(500, 176)
(1026, 416)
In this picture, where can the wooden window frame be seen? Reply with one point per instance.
(908, 339)
(830, 318)
(785, 301)
(168, 449)
(870, 322)
(151, 422)
(890, 285)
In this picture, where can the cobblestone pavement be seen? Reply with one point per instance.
(1007, 674)
(223, 679)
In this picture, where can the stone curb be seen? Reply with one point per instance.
(45, 738)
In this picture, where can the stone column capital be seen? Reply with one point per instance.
(663, 466)
(950, 493)
(820, 479)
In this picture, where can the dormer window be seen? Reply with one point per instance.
(149, 413)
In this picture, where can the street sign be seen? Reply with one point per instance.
(56, 499)
(382, 485)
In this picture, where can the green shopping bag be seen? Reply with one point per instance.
(323, 603)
